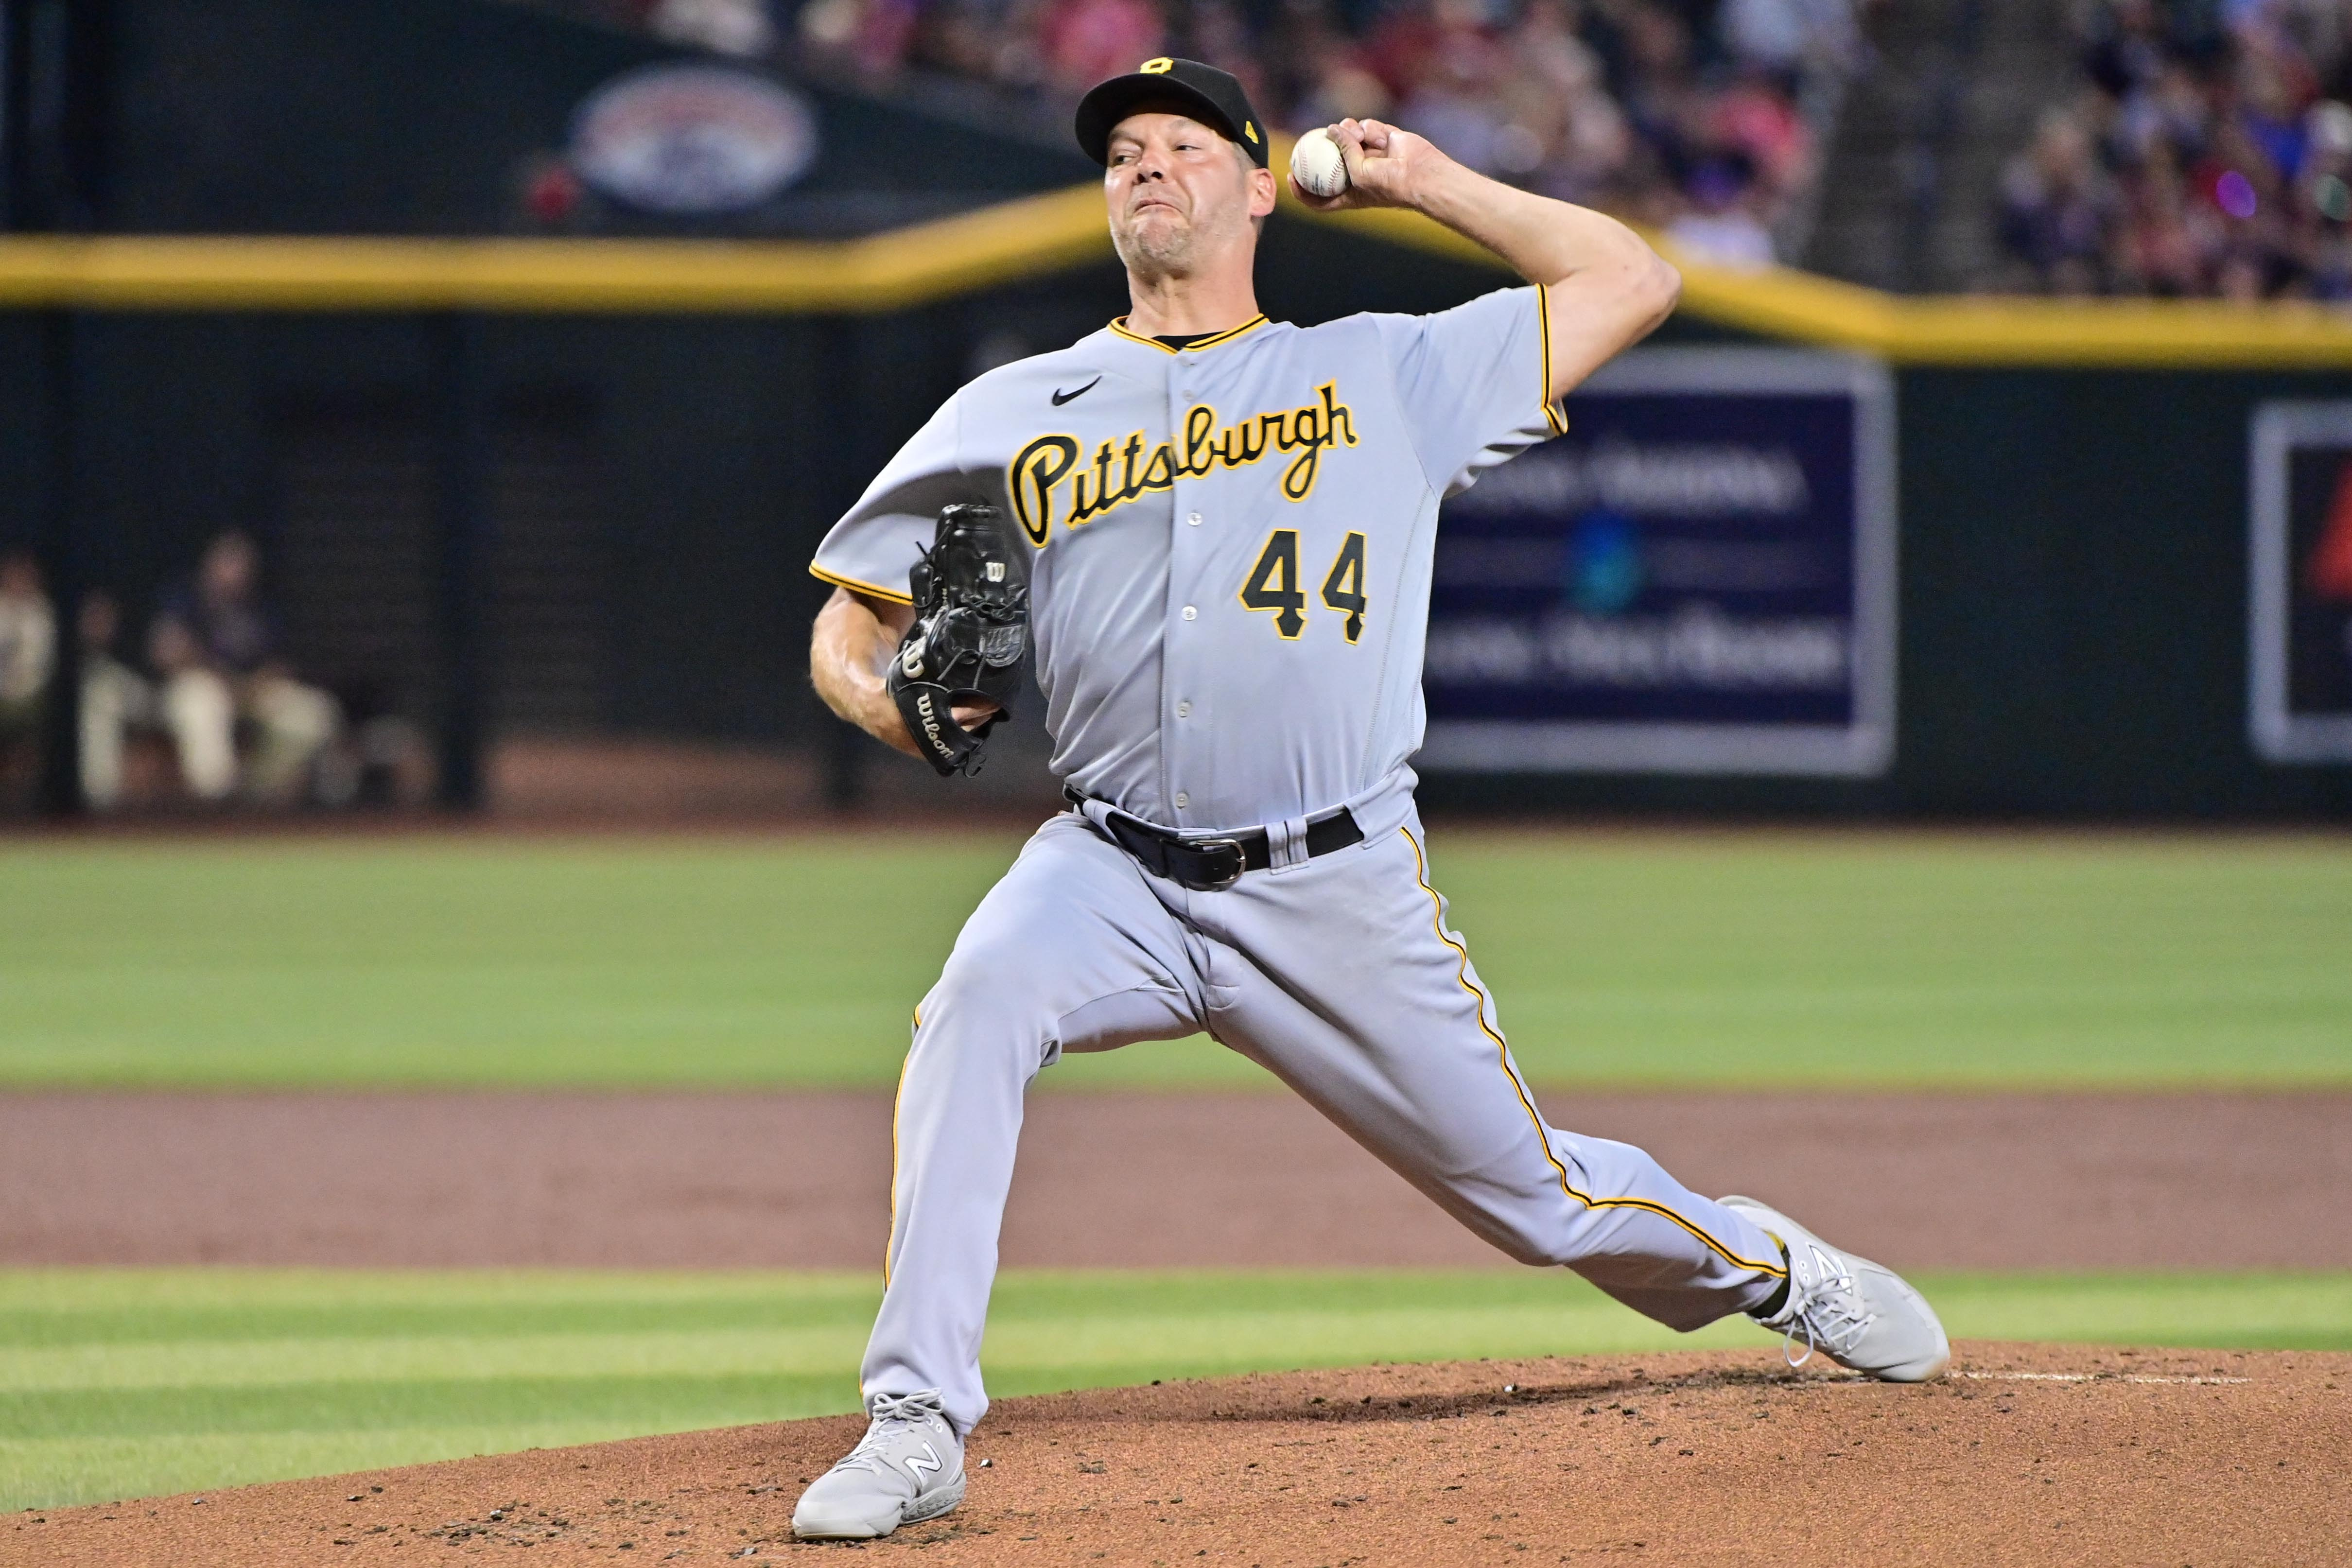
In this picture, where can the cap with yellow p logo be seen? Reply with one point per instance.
(1214, 97)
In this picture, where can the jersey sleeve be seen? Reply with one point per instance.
(878, 540)
(1475, 383)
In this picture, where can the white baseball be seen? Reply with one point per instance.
(1316, 164)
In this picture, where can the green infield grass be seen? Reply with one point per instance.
(1707, 958)
(126, 1383)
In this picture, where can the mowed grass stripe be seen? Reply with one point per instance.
(1707, 959)
(347, 1359)
(137, 1383)
(610, 1401)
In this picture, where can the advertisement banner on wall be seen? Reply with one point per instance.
(1698, 577)
(2300, 695)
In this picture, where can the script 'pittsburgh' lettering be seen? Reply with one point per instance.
(1047, 481)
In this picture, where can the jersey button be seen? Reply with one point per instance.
(1183, 800)
(1183, 709)
(1194, 520)
(1190, 614)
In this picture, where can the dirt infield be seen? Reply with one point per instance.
(2031, 1456)
(803, 1180)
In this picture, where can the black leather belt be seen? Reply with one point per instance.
(1209, 865)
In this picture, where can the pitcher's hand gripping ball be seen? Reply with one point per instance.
(971, 630)
(1317, 164)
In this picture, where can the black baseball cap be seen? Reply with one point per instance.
(1210, 95)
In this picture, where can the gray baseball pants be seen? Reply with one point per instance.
(1337, 974)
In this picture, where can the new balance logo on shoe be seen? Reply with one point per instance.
(906, 1468)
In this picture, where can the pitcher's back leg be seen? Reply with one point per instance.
(1342, 977)
(1070, 952)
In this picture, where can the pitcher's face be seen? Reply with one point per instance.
(1178, 191)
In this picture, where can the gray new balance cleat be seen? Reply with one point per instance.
(1861, 1314)
(908, 1466)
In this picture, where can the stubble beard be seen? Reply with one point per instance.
(1153, 251)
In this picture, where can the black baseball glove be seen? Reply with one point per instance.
(971, 631)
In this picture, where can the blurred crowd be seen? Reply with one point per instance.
(2208, 152)
(1704, 118)
(209, 713)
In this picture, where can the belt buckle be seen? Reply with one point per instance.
(1241, 859)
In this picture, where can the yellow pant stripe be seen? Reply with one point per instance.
(1503, 1057)
(891, 1238)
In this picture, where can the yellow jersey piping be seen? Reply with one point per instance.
(876, 589)
(890, 1242)
(1552, 415)
(1120, 326)
(1503, 1056)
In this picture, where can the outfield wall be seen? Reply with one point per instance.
(572, 484)
(2072, 604)
(2073, 611)
(2076, 594)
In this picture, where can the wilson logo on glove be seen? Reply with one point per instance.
(969, 635)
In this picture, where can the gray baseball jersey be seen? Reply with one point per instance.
(1229, 551)
(1229, 543)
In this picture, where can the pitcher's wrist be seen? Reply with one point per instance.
(1437, 187)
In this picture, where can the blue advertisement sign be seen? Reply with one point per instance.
(1698, 577)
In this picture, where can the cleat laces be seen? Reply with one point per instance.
(1825, 1307)
(892, 1413)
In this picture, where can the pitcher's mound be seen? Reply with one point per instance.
(2027, 1454)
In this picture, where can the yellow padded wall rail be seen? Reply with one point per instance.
(1963, 330)
(1025, 238)
(1038, 236)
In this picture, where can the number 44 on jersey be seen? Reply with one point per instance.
(1275, 584)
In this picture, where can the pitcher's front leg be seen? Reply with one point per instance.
(1069, 952)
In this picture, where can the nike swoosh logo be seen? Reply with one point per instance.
(1061, 397)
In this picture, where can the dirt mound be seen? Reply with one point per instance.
(2030, 1455)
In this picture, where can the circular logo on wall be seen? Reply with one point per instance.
(692, 139)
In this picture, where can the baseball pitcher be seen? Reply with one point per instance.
(1216, 529)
